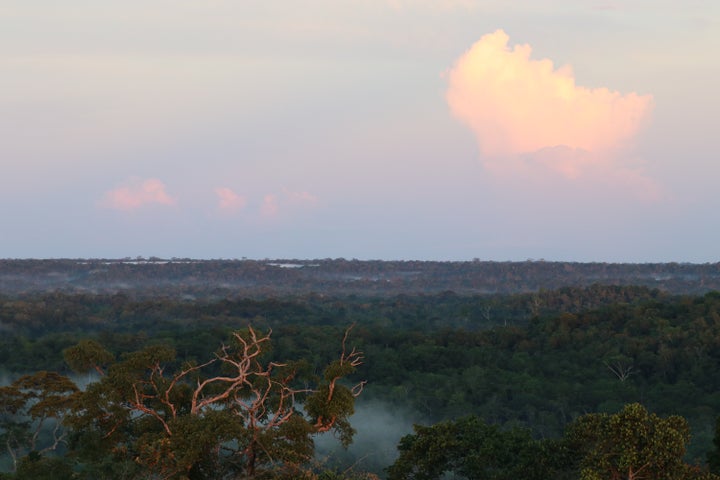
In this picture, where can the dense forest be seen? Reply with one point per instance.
(219, 278)
(173, 369)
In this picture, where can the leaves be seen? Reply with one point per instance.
(237, 412)
(32, 411)
(632, 443)
(471, 448)
(87, 355)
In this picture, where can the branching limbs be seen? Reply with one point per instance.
(353, 359)
(244, 364)
(253, 402)
(333, 402)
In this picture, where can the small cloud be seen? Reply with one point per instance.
(230, 201)
(269, 207)
(137, 194)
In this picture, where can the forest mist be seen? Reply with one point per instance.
(536, 359)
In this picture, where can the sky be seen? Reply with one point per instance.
(568, 130)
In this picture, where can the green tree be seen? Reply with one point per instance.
(470, 448)
(32, 411)
(37, 467)
(88, 355)
(632, 444)
(237, 413)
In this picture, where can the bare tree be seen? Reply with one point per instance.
(622, 371)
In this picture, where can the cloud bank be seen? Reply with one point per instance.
(526, 111)
(137, 194)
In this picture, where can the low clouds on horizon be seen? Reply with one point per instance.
(137, 193)
(530, 117)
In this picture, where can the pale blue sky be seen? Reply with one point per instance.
(322, 128)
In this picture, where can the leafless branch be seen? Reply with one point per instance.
(621, 371)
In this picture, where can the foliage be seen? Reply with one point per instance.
(37, 467)
(470, 448)
(154, 277)
(538, 360)
(234, 414)
(631, 444)
(32, 411)
(88, 355)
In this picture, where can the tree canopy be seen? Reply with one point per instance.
(156, 416)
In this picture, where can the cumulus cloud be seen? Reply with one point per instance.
(525, 111)
(137, 194)
(228, 200)
(517, 105)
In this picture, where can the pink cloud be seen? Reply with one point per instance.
(517, 105)
(526, 112)
(138, 194)
(228, 200)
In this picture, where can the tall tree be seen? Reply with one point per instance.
(237, 412)
(632, 444)
(32, 410)
(470, 448)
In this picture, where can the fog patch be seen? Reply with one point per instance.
(379, 428)
(5, 378)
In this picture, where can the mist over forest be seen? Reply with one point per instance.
(177, 276)
(397, 370)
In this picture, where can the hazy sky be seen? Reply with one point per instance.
(579, 130)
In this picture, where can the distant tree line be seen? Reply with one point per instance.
(153, 277)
